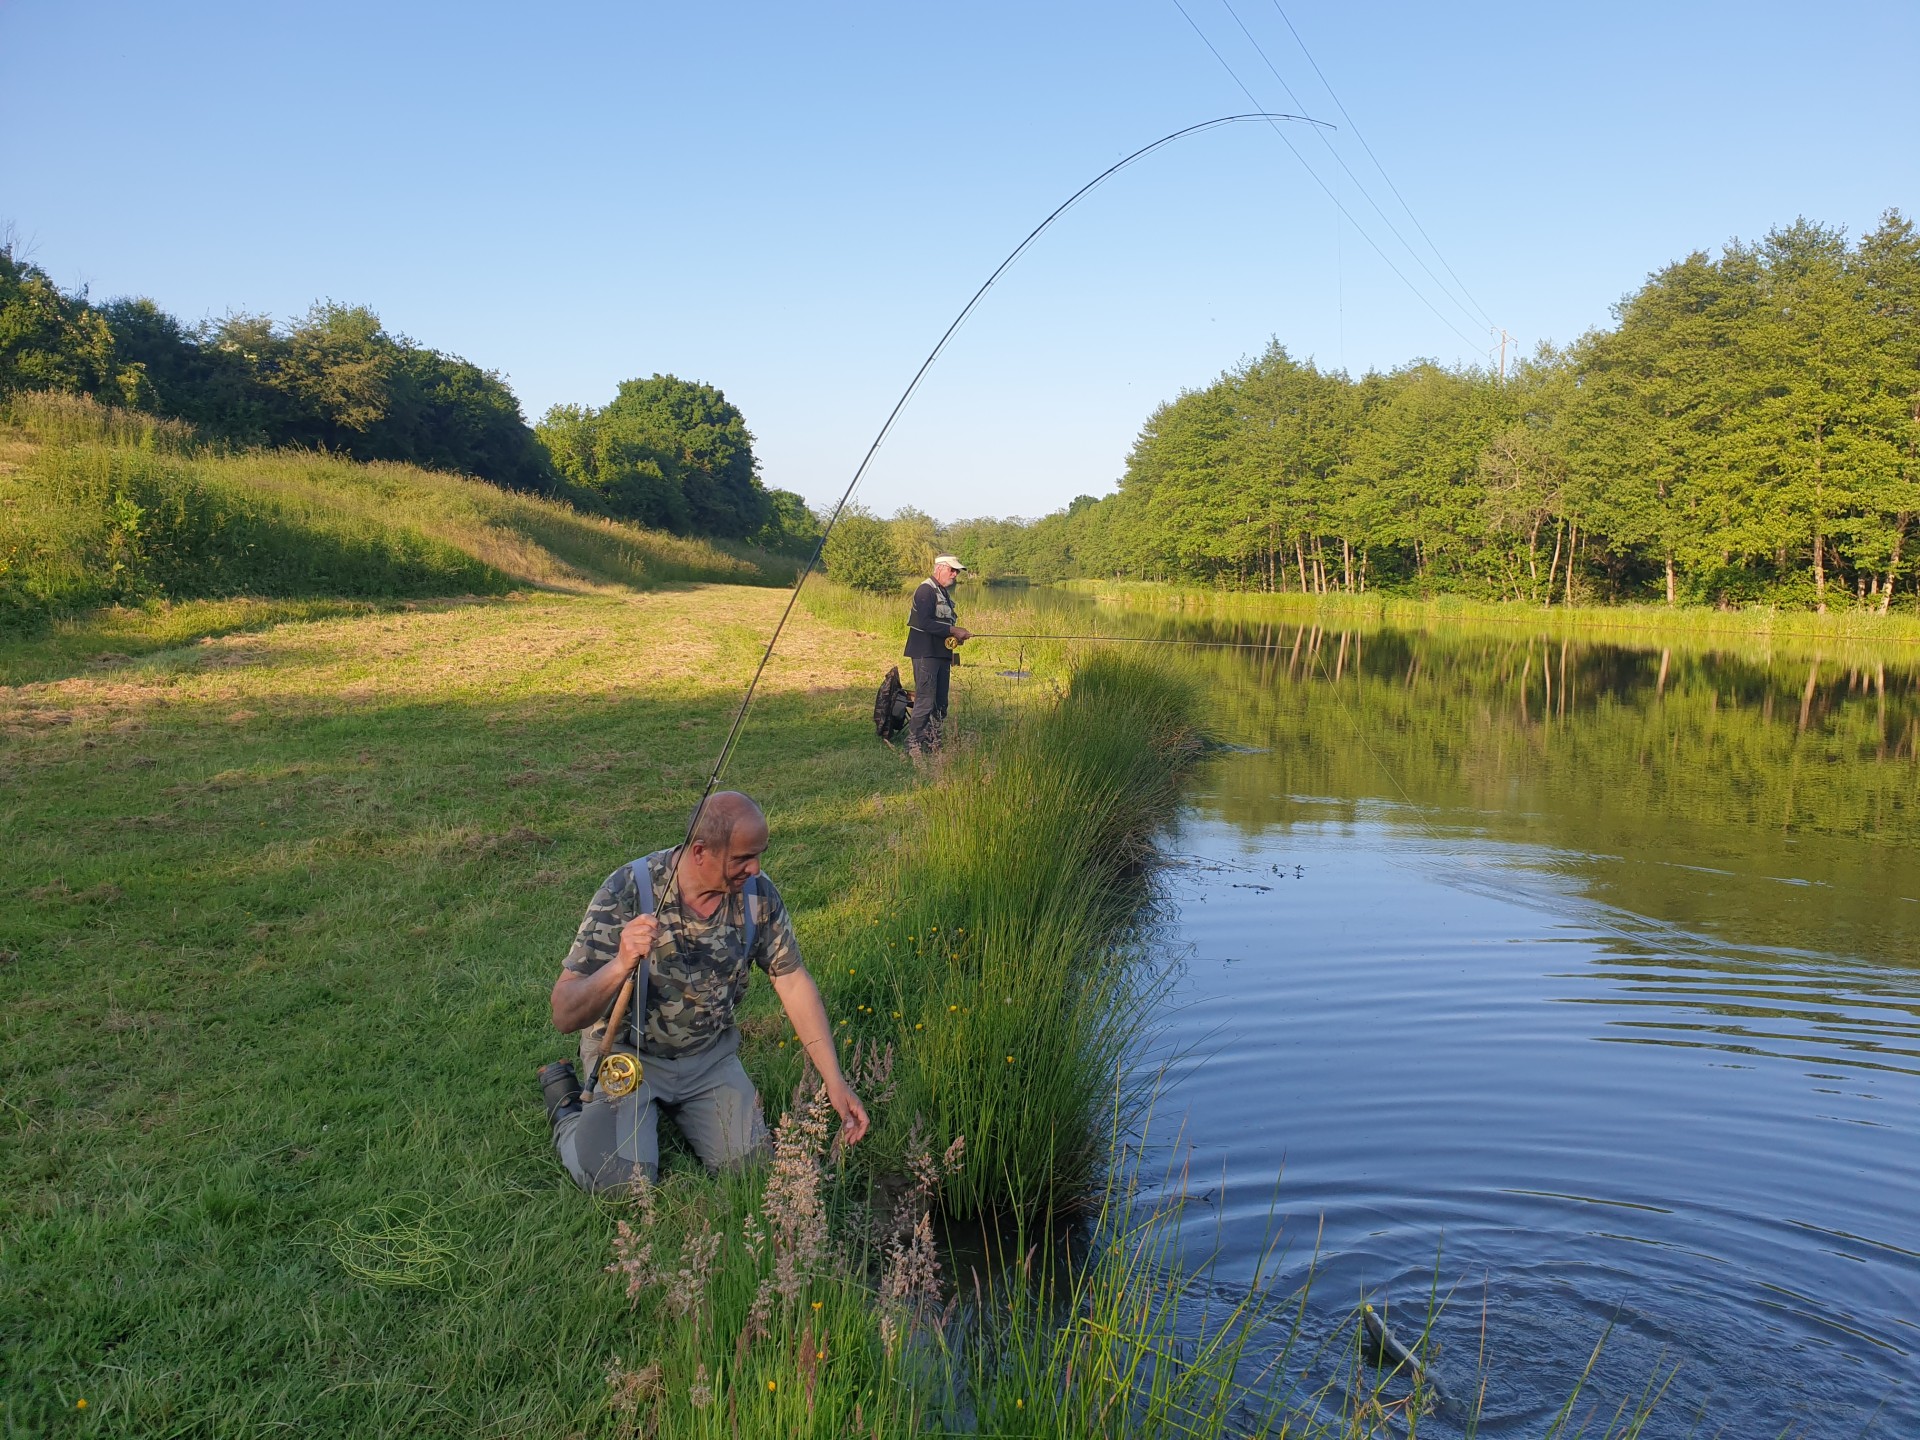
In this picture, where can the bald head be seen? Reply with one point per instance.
(725, 813)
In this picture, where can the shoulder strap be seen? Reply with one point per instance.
(637, 1012)
(643, 880)
(747, 892)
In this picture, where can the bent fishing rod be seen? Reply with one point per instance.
(621, 1002)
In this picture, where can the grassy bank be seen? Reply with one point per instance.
(1632, 624)
(282, 915)
(100, 507)
(273, 989)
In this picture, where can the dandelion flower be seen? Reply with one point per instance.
(819, 1354)
(816, 1304)
(81, 1403)
(1019, 1404)
(773, 1384)
(1009, 1059)
(919, 1027)
(952, 1008)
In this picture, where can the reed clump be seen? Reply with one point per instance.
(997, 961)
(870, 1336)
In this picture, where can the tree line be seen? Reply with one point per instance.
(1748, 430)
(665, 452)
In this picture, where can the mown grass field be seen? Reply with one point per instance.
(281, 915)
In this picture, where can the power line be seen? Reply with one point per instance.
(1386, 259)
(1341, 160)
(1351, 125)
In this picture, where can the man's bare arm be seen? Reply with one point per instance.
(579, 1000)
(800, 998)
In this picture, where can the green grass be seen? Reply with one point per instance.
(1644, 623)
(284, 912)
(994, 959)
(99, 507)
(1756, 629)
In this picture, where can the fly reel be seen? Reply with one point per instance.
(619, 1075)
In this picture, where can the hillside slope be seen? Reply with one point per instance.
(104, 507)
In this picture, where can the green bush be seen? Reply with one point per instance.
(860, 554)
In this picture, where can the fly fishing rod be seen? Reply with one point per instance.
(628, 1071)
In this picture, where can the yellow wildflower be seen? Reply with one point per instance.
(773, 1384)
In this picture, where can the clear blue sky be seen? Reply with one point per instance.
(790, 201)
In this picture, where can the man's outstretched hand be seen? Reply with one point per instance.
(853, 1115)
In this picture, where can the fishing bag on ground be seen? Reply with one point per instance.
(891, 703)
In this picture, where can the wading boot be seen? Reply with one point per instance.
(560, 1087)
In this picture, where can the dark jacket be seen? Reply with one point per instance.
(929, 623)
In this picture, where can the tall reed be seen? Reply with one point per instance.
(996, 959)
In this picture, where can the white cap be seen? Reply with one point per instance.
(949, 561)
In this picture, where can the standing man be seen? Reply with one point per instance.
(929, 626)
(689, 924)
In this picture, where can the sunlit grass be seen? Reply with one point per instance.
(1837, 632)
(273, 972)
(100, 506)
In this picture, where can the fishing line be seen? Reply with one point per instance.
(617, 1013)
(1136, 640)
(746, 700)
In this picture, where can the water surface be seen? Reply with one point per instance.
(1582, 982)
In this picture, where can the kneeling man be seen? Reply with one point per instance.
(688, 924)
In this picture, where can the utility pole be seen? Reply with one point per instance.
(1505, 340)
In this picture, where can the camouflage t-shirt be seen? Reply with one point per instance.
(697, 970)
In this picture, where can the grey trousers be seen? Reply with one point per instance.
(610, 1143)
(931, 681)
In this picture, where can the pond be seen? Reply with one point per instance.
(1577, 983)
